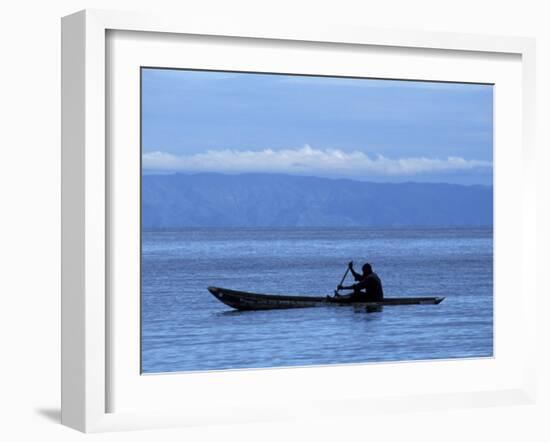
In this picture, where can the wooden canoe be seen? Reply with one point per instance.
(255, 301)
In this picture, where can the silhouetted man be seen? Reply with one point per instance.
(368, 286)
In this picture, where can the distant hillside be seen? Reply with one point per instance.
(253, 200)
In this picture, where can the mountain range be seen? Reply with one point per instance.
(277, 200)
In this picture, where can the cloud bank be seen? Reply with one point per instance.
(307, 160)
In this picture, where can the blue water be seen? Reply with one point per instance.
(184, 328)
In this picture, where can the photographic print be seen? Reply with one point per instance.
(302, 220)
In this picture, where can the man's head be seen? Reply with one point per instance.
(367, 269)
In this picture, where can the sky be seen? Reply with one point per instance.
(356, 128)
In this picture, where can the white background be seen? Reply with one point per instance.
(30, 217)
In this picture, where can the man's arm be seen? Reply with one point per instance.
(356, 275)
(359, 286)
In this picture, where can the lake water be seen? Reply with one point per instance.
(184, 328)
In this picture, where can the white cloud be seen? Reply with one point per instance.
(306, 160)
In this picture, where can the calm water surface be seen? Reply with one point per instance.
(185, 328)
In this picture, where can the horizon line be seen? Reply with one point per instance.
(156, 172)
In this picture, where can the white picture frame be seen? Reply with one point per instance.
(87, 355)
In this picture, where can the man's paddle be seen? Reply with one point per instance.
(343, 278)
